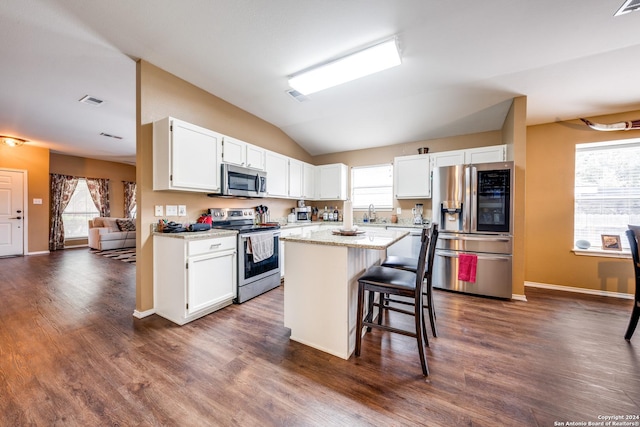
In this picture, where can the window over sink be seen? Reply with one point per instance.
(372, 185)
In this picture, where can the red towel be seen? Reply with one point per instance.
(467, 267)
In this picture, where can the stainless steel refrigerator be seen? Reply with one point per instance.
(473, 205)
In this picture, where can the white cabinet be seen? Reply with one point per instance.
(186, 157)
(447, 158)
(277, 167)
(412, 177)
(256, 157)
(240, 153)
(308, 181)
(492, 153)
(331, 182)
(296, 177)
(192, 278)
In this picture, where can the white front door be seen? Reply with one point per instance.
(11, 212)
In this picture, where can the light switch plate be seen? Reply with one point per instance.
(37, 201)
(172, 210)
(159, 210)
(182, 210)
(399, 211)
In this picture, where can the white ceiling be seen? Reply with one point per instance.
(463, 62)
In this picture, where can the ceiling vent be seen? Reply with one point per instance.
(91, 100)
(108, 135)
(297, 95)
(628, 6)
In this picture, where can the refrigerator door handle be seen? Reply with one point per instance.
(449, 254)
(473, 198)
(478, 239)
(467, 209)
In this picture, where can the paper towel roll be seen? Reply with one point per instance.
(347, 215)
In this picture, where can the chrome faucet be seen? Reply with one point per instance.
(372, 213)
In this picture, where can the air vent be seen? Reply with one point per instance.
(628, 6)
(297, 95)
(110, 136)
(91, 100)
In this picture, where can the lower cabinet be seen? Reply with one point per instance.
(193, 277)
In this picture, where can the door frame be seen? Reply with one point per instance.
(25, 207)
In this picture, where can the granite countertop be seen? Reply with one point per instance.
(194, 235)
(370, 239)
(359, 224)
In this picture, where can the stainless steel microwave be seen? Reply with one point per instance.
(242, 182)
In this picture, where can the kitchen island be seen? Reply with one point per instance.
(321, 286)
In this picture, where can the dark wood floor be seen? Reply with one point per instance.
(72, 354)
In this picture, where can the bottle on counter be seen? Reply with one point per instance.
(325, 214)
(336, 214)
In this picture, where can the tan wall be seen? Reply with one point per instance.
(36, 162)
(549, 199)
(161, 94)
(380, 155)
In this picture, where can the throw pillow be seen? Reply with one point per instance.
(111, 224)
(126, 225)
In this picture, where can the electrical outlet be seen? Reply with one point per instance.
(159, 210)
(182, 210)
(171, 210)
(399, 211)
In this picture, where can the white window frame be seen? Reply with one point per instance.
(604, 190)
(82, 217)
(387, 205)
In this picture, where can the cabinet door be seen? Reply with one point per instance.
(211, 279)
(447, 158)
(412, 177)
(255, 157)
(494, 153)
(277, 167)
(295, 178)
(234, 151)
(195, 158)
(309, 181)
(331, 182)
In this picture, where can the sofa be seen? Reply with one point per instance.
(112, 233)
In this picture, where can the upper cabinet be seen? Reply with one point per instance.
(308, 181)
(240, 153)
(492, 153)
(331, 182)
(412, 177)
(186, 157)
(277, 168)
(296, 177)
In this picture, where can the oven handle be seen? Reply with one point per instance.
(247, 235)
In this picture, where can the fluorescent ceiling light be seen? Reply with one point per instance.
(628, 6)
(368, 61)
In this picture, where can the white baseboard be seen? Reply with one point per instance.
(39, 253)
(142, 314)
(579, 290)
(519, 297)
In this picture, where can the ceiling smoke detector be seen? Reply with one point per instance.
(628, 6)
(91, 100)
(108, 135)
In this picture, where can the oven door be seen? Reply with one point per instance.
(250, 271)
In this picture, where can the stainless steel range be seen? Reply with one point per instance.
(258, 254)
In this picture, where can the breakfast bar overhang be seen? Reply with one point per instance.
(321, 285)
